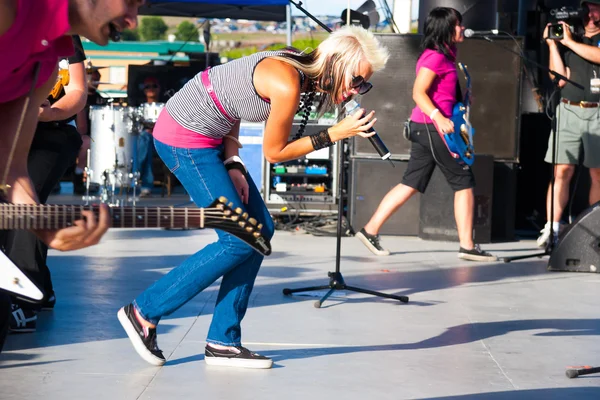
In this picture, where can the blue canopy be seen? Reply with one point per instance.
(259, 10)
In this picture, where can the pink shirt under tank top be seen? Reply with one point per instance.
(170, 132)
(443, 89)
(37, 34)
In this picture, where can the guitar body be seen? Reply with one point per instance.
(460, 142)
(16, 282)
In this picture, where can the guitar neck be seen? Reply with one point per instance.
(31, 216)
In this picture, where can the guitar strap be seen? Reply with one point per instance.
(11, 153)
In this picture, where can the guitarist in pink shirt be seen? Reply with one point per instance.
(435, 93)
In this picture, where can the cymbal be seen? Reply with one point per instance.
(93, 68)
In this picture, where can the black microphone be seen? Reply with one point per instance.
(351, 107)
(471, 32)
(114, 34)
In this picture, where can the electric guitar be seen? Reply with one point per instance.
(218, 215)
(62, 80)
(460, 142)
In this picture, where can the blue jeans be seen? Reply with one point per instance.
(203, 175)
(143, 152)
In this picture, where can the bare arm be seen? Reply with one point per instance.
(8, 11)
(74, 99)
(279, 82)
(231, 147)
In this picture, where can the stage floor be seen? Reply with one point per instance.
(470, 330)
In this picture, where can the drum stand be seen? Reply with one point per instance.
(89, 173)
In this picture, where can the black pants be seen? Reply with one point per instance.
(53, 150)
(428, 150)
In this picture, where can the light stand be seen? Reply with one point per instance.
(336, 280)
(554, 105)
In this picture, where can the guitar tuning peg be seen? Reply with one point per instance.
(239, 211)
(223, 199)
(252, 221)
(230, 205)
(227, 212)
(242, 223)
(259, 227)
(256, 234)
(245, 215)
(249, 229)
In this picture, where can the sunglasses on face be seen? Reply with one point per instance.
(361, 86)
(151, 86)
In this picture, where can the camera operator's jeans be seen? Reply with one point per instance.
(202, 173)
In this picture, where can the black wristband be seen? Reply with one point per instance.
(321, 140)
(236, 165)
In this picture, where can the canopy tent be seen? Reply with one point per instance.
(259, 10)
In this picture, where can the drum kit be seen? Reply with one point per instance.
(110, 159)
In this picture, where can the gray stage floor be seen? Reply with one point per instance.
(470, 330)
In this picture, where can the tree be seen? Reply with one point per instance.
(131, 34)
(153, 28)
(187, 31)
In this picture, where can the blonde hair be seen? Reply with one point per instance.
(334, 61)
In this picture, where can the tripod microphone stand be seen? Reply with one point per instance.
(554, 105)
(336, 280)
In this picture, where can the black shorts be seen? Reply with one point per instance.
(422, 161)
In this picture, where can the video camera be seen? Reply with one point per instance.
(572, 16)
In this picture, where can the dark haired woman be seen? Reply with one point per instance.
(435, 93)
(196, 136)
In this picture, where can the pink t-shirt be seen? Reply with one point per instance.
(443, 89)
(169, 131)
(36, 35)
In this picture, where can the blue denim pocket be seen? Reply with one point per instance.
(168, 154)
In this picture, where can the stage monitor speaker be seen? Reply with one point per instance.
(495, 113)
(578, 249)
(437, 205)
(369, 182)
(478, 15)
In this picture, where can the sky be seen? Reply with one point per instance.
(335, 7)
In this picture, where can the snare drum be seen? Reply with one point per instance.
(151, 111)
(112, 144)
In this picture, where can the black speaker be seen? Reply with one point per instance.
(437, 205)
(578, 249)
(477, 14)
(369, 182)
(496, 108)
(170, 79)
(504, 201)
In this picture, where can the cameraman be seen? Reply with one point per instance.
(578, 120)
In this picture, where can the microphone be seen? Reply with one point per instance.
(471, 32)
(351, 107)
(114, 34)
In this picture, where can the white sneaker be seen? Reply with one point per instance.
(372, 243)
(542, 241)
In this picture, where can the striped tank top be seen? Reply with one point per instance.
(193, 108)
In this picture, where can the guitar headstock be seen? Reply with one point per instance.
(62, 80)
(465, 71)
(238, 223)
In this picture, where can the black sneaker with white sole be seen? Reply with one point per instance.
(22, 320)
(142, 338)
(372, 243)
(476, 254)
(241, 357)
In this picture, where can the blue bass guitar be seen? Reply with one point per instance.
(460, 142)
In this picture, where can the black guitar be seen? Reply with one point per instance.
(219, 215)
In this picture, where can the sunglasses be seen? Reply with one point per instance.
(151, 87)
(361, 86)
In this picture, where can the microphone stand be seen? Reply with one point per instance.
(336, 280)
(554, 105)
